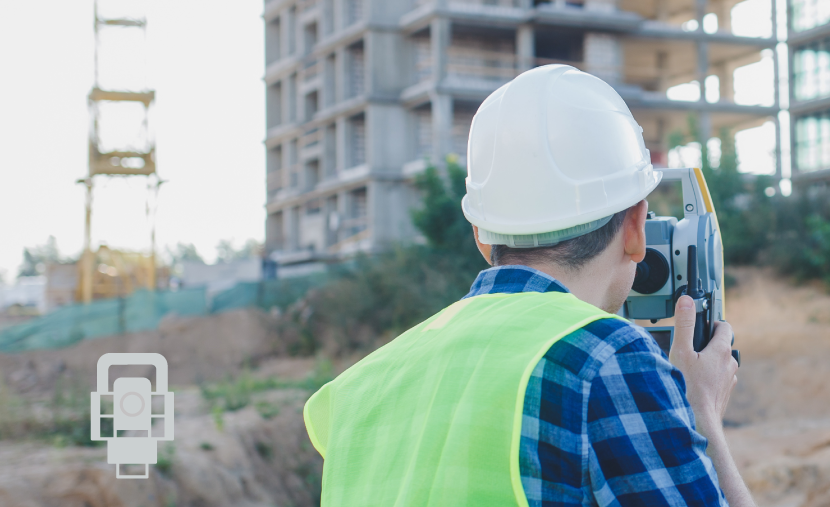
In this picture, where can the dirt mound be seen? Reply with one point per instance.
(243, 459)
(783, 333)
(198, 349)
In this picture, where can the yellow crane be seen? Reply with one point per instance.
(136, 157)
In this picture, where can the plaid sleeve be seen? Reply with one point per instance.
(606, 422)
(644, 449)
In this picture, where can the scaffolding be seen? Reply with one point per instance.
(121, 143)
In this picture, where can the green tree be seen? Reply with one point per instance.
(183, 252)
(226, 252)
(36, 258)
(440, 218)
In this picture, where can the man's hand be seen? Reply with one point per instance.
(710, 378)
(710, 373)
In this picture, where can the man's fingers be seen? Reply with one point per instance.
(684, 324)
(723, 332)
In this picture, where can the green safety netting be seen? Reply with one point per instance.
(69, 324)
(143, 311)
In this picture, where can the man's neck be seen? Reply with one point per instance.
(591, 283)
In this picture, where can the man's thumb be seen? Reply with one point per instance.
(684, 323)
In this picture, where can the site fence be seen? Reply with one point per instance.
(144, 310)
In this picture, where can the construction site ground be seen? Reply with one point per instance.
(778, 423)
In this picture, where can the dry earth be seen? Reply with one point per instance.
(778, 421)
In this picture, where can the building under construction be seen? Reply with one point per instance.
(361, 92)
(809, 44)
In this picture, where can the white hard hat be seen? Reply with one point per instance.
(553, 155)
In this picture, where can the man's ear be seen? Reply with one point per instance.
(484, 249)
(634, 231)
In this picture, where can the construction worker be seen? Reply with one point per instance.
(530, 391)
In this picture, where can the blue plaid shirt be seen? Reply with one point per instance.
(606, 420)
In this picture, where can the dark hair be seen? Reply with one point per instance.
(571, 254)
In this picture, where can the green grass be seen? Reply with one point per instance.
(235, 394)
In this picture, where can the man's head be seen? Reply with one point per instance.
(558, 173)
(599, 265)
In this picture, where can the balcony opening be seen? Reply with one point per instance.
(559, 46)
(482, 54)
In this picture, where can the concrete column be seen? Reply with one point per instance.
(725, 75)
(662, 65)
(441, 127)
(285, 166)
(724, 13)
(386, 67)
(292, 229)
(340, 74)
(702, 67)
(794, 169)
(777, 76)
(525, 47)
(439, 33)
(777, 147)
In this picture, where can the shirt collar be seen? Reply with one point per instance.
(512, 280)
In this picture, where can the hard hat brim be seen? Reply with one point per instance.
(564, 222)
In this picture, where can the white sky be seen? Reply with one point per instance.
(206, 64)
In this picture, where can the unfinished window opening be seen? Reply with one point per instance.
(312, 174)
(357, 140)
(560, 45)
(313, 207)
(423, 131)
(309, 38)
(354, 11)
(274, 105)
(357, 212)
(273, 41)
(357, 70)
(312, 103)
